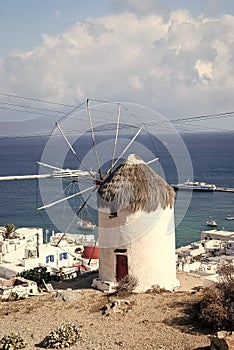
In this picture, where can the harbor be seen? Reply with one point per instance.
(204, 257)
(22, 196)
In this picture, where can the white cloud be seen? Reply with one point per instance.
(135, 82)
(182, 65)
(204, 69)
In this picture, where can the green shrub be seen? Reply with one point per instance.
(63, 337)
(8, 231)
(38, 274)
(12, 342)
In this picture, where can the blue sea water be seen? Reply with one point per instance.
(212, 158)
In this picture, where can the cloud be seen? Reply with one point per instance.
(179, 66)
(204, 69)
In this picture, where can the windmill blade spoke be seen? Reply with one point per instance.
(83, 205)
(68, 173)
(124, 151)
(49, 166)
(72, 149)
(93, 138)
(67, 141)
(76, 214)
(86, 201)
(93, 250)
(58, 195)
(24, 177)
(116, 136)
(64, 199)
(153, 160)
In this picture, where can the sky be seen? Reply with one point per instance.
(176, 57)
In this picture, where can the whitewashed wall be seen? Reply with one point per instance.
(150, 242)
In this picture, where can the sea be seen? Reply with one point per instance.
(212, 159)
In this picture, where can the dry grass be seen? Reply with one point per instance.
(156, 321)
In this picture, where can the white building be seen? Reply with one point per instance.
(136, 228)
(217, 235)
(14, 248)
(205, 257)
(27, 251)
(20, 287)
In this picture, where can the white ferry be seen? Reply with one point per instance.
(195, 186)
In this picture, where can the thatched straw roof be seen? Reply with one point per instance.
(135, 186)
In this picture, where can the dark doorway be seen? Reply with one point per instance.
(121, 266)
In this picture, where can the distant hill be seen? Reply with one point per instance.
(41, 125)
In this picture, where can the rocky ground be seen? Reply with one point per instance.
(140, 321)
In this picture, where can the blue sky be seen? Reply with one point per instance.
(23, 22)
(174, 56)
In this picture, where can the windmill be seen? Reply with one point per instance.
(90, 120)
(109, 139)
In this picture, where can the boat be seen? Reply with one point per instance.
(229, 217)
(211, 223)
(85, 225)
(195, 186)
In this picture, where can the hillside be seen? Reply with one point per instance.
(140, 322)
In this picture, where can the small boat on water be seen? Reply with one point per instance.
(195, 186)
(85, 225)
(211, 223)
(229, 217)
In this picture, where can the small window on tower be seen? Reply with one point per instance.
(113, 210)
(113, 215)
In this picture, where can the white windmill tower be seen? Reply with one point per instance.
(136, 227)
